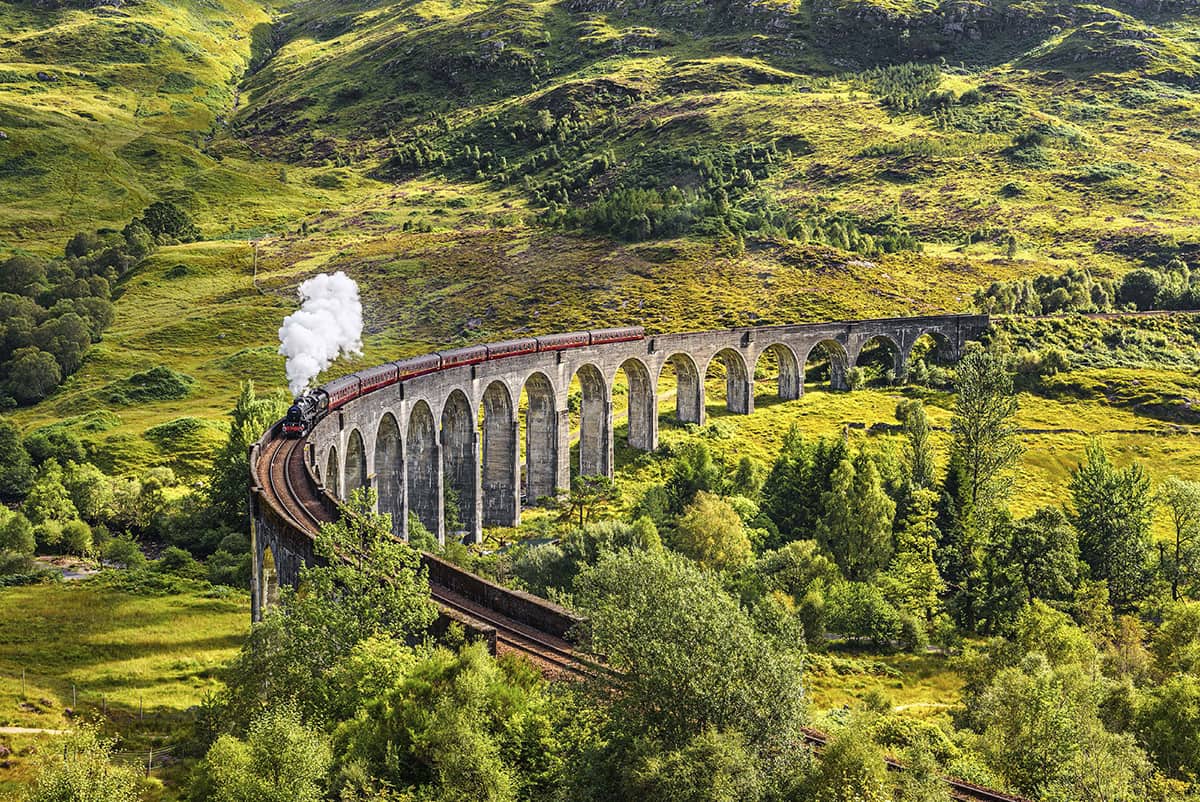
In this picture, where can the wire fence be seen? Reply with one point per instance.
(83, 703)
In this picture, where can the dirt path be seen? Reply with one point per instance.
(31, 731)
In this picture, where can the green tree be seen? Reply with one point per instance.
(56, 443)
(1140, 287)
(67, 338)
(912, 582)
(1167, 723)
(542, 567)
(972, 505)
(1043, 551)
(711, 533)
(166, 222)
(281, 760)
(460, 726)
(798, 479)
(589, 493)
(83, 771)
(1034, 558)
(1181, 497)
(76, 538)
(32, 374)
(922, 779)
(1112, 510)
(918, 450)
(1043, 735)
(857, 525)
(252, 416)
(16, 469)
(692, 470)
(748, 477)
(1176, 644)
(16, 533)
(90, 490)
(797, 568)
(48, 500)
(370, 585)
(984, 428)
(851, 769)
(658, 617)
(23, 274)
(802, 571)
(124, 551)
(858, 610)
(139, 242)
(712, 767)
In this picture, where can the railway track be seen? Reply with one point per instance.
(959, 789)
(515, 636)
(284, 460)
(283, 478)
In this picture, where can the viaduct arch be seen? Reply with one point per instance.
(456, 435)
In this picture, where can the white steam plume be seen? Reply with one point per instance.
(327, 325)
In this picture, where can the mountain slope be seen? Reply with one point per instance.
(487, 168)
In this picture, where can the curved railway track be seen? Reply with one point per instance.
(284, 477)
(284, 460)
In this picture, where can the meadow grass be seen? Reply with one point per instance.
(922, 686)
(142, 660)
(158, 652)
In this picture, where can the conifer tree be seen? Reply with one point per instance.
(1112, 510)
(857, 525)
(913, 583)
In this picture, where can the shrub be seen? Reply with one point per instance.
(167, 222)
(225, 568)
(77, 538)
(858, 610)
(125, 552)
(32, 375)
(16, 468)
(175, 560)
(16, 533)
(159, 383)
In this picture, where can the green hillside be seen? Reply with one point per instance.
(724, 163)
(987, 570)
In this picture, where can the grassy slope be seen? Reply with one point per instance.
(259, 129)
(160, 652)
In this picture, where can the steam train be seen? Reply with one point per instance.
(309, 408)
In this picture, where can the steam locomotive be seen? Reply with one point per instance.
(309, 408)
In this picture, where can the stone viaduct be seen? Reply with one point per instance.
(459, 428)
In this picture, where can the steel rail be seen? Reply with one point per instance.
(515, 637)
(281, 462)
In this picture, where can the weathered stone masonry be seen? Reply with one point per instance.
(458, 429)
